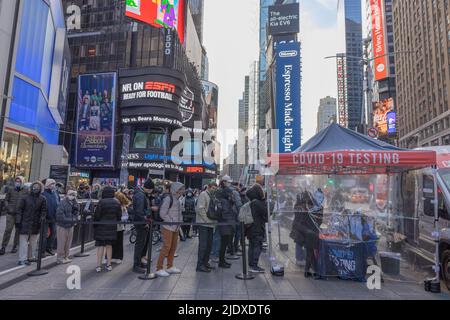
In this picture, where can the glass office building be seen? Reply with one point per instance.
(32, 120)
(351, 43)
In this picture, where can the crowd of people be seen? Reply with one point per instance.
(31, 208)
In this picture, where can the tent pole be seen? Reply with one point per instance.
(436, 227)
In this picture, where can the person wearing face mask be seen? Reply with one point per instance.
(52, 197)
(12, 198)
(225, 195)
(31, 212)
(188, 204)
(67, 216)
(170, 211)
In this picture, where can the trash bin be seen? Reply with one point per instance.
(390, 263)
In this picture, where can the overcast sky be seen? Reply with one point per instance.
(231, 33)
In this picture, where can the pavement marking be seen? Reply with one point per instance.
(11, 270)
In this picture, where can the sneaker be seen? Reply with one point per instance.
(2, 251)
(162, 273)
(215, 260)
(50, 252)
(225, 265)
(66, 261)
(175, 255)
(32, 260)
(232, 257)
(174, 270)
(98, 269)
(108, 268)
(256, 270)
(210, 267)
(14, 250)
(23, 263)
(116, 261)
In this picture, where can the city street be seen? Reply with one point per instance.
(122, 284)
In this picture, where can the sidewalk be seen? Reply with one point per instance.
(122, 284)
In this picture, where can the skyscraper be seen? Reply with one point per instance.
(326, 113)
(350, 43)
(422, 76)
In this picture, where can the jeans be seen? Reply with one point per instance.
(299, 252)
(65, 236)
(26, 252)
(10, 226)
(237, 238)
(170, 241)
(216, 243)
(141, 235)
(225, 242)
(254, 250)
(205, 241)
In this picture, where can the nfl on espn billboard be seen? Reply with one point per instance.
(284, 19)
(158, 13)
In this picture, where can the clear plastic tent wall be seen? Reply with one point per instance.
(351, 228)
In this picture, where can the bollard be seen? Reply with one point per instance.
(39, 271)
(244, 275)
(83, 226)
(149, 275)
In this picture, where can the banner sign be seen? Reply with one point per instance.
(288, 115)
(392, 123)
(284, 19)
(379, 45)
(95, 120)
(342, 91)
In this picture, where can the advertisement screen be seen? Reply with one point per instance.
(158, 13)
(379, 46)
(284, 19)
(288, 96)
(95, 120)
(392, 123)
(381, 109)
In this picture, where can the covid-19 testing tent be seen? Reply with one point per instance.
(368, 215)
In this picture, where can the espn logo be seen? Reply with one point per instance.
(160, 86)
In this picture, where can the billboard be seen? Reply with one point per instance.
(342, 102)
(158, 13)
(284, 19)
(95, 120)
(379, 45)
(288, 96)
(211, 92)
(381, 109)
(392, 123)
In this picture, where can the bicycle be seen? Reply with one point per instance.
(156, 235)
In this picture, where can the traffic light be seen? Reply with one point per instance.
(330, 181)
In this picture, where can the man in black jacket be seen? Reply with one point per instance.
(31, 213)
(11, 200)
(256, 231)
(141, 209)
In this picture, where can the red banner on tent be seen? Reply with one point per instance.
(356, 162)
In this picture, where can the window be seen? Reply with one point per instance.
(428, 195)
(148, 139)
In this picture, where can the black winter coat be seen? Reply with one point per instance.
(141, 206)
(305, 229)
(31, 211)
(224, 195)
(259, 212)
(108, 210)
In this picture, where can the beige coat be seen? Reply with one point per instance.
(202, 208)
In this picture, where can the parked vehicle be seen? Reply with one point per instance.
(359, 195)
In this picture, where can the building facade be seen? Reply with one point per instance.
(326, 113)
(158, 90)
(422, 78)
(34, 87)
(350, 44)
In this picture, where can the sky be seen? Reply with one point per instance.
(231, 32)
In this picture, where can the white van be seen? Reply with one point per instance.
(417, 192)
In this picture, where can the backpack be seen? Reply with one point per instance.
(215, 209)
(158, 202)
(245, 214)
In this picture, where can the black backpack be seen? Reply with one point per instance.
(215, 208)
(158, 202)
